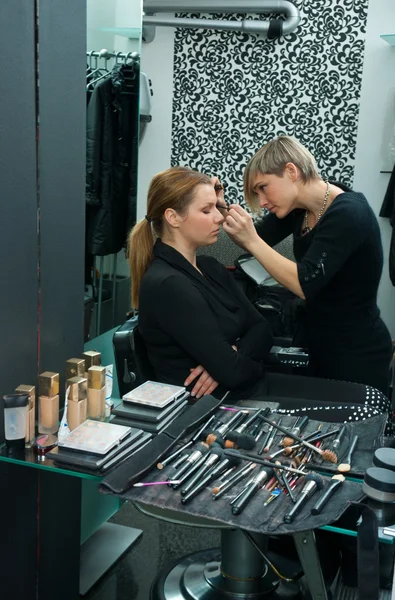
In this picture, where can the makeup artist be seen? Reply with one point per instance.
(339, 259)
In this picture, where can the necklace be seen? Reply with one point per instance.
(306, 227)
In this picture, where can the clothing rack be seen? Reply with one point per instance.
(93, 58)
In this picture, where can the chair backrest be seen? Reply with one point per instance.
(131, 358)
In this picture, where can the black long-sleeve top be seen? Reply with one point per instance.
(339, 264)
(187, 318)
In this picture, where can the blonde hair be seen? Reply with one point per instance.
(173, 188)
(272, 158)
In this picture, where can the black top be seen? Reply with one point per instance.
(339, 266)
(187, 319)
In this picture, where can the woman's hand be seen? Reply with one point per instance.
(205, 383)
(240, 227)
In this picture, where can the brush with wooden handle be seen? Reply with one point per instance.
(327, 455)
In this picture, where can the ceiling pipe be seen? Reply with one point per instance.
(270, 29)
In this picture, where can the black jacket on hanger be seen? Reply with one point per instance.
(388, 210)
(187, 318)
(111, 160)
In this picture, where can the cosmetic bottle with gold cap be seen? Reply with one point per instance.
(92, 359)
(97, 392)
(77, 407)
(48, 402)
(75, 367)
(30, 390)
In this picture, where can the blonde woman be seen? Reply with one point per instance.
(339, 259)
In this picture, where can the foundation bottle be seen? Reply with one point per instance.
(97, 393)
(92, 359)
(75, 367)
(77, 407)
(30, 390)
(48, 402)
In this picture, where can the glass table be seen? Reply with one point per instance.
(55, 538)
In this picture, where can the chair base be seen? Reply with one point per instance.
(198, 577)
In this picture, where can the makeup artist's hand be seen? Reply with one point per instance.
(205, 383)
(239, 226)
(221, 204)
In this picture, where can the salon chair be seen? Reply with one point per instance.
(133, 366)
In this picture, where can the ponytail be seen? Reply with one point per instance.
(141, 244)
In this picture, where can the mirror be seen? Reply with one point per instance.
(113, 90)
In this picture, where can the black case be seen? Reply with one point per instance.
(131, 359)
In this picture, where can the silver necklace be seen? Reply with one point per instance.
(306, 227)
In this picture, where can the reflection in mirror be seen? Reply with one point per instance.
(112, 95)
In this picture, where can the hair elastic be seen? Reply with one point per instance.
(148, 219)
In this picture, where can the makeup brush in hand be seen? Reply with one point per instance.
(345, 466)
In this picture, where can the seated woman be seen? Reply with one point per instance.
(192, 312)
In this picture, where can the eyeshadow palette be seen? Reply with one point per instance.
(95, 437)
(153, 393)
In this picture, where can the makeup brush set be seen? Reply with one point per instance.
(262, 466)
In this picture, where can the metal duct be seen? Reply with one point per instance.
(268, 29)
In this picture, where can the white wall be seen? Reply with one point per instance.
(375, 131)
(376, 124)
(155, 148)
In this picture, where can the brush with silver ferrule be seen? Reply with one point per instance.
(170, 458)
(191, 471)
(213, 457)
(246, 423)
(251, 490)
(261, 461)
(217, 435)
(313, 483)
(211, 475)
(227, 485)
(201, 449)
(296, 430)
(269, 438)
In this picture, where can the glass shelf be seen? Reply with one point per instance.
(389, 38)
(129, 32)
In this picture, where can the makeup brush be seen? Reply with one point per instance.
(227, 485)
(313, 482)
(269, 437)
(213, 457)
(241, 428)
(261, 461)
(239, 440)
(218, 435)
(147, 483)
(167, 460)
(345, 466)
(327, 455)
(297, 430)
(316, 437)
(284, 481)
(204, 426)
(335, 445)
(334, 485)
(210, 476)
(251, 490)
(201, 450)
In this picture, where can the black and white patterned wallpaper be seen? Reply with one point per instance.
(233, 92)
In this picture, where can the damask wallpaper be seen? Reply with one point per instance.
(233, 92)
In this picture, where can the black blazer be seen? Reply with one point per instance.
(187, 319)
